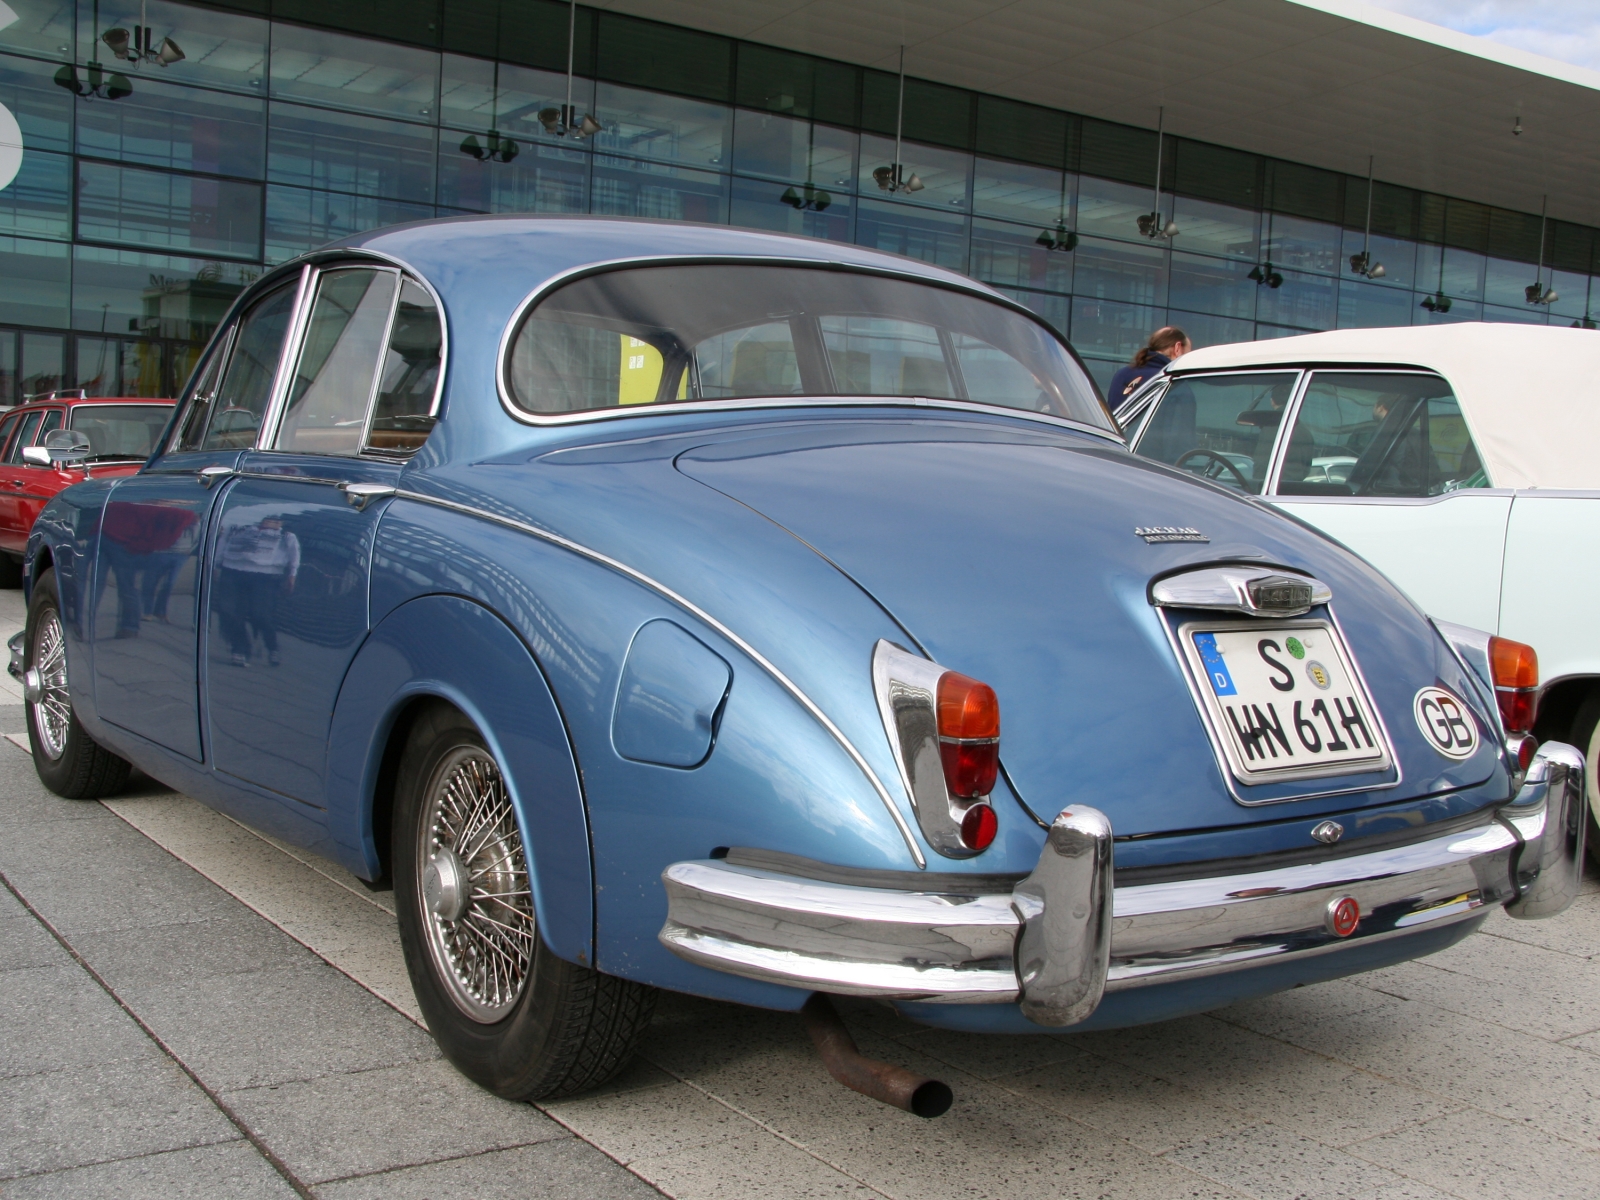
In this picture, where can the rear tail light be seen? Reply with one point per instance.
(1515, 669)
(969, 747)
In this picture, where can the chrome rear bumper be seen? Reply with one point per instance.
(1065, 935)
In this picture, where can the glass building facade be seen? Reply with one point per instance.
(146, 195)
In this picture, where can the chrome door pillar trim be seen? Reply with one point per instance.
(661, 589)
(288, 355)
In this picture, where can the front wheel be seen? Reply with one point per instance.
(70, 762)
(1586, 737)
(505, 1010)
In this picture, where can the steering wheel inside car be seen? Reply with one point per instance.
(1213, 460)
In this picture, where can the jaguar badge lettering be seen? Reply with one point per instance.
(1169, 533)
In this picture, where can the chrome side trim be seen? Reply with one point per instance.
(688, 605)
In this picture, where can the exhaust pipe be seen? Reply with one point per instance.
(893, 1085)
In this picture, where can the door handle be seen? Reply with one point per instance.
(360, 494)
(210, 475)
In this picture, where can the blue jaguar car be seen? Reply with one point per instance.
(669, 607)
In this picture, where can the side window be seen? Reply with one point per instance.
(332, 383)
(409, 379)
(7, 428)
(24, 438)
(232, 417)
(1371, 434)
(52, 420)
(1220, 427)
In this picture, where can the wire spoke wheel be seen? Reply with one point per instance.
(52, 711)
(476, 900)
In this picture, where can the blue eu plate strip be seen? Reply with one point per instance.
(1221, 681)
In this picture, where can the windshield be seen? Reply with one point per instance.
(121, 431)
(655, 335)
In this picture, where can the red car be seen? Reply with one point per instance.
(121, 431)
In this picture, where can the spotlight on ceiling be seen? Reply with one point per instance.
(894, 179)
(807, 199)
(1362, 264)
(140, 45)
(1060, 238)
(565, 122)
(1437, 303)
(493, 148)
(94, 83)
(1537, 293)
(1150, 225)
(1516, 128)
(1263, 273)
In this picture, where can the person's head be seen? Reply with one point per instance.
(1168, 340)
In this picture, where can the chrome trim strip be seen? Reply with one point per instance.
(522, 415)
(662, 589)
(1227, 589)
(288, 355)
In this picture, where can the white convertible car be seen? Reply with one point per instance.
(1461, 460)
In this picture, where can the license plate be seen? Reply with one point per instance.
(1285, 701)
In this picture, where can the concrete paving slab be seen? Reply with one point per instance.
(24, 942)
(57, 1119)
(165, 955)
(652, 1122)
(1550, 996)
(53, 1017)
(274, 1026)
(229, 1169)
(361, 1122)
(1577, 932)
(753, 1166)
(1476, 1156)
(564, 1168)
(1272, 1163)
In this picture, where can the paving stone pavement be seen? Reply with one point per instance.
(192, 1009)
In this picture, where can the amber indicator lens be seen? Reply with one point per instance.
(1515, 668)
(978, 827)
(969, 736)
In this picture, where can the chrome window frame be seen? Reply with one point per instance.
(525, 417)
(1292, 407)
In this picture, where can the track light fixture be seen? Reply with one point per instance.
(1151, 224)
(894, 178)
(140, 45)
(1362, 263)
(1437, 303)
(493, 148)
(1516, 127)
(1060, 238)
(809, 198)
(1263, 273)
(565, 121)
(1536, 292)
(96, 81)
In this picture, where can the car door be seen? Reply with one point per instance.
(292, 551)
(146, 606)
(32, 487)
(1384, 461)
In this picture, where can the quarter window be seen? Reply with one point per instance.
(409, 379)
(1372, 434)
(1220, 427)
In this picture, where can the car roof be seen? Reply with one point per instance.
(1526, 391)
(75, 399)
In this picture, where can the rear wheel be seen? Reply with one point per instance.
(1586, 737)
(505, 1010)
(70, 762)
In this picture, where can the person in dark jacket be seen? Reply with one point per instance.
(1165, 344)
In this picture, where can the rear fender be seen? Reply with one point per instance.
(486, 671)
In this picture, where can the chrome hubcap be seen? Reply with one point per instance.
(477, 905)
(46, 686)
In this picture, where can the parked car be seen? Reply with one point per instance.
(642, 601)
(116, 433)
(1458, 459)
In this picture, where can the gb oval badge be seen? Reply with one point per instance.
(1446, 723)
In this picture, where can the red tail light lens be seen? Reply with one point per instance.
(1515, 668)
(979, 826)
(969, 737)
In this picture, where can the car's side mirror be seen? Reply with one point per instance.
(61, 446)
(37, 455)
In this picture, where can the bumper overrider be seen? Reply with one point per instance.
(1065, 935)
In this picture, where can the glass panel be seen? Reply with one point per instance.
(1220, 427)
(928, 234)
(169, 211)
(785, 330)
(220, 49)
(1209, 228)
(626, 188)
(1303, 245)
(116, 367)
(1362, 434)
(241, 401)
(37, 278)
(1206, 330)
(1212, 285)
(1304, 301)
(183, 128)
(1132, 274)
(1459, 273)
(358, 73)
(43, 363)
(1527, 315)
(43, 110)
(1398, 257)
(299, 219)
(1017, 192)
(403, 414)
(338, 365)
(124, 291)
(8, 428)
(1506, 282)
(1015, 255)
(1367, 305)
(1113, 209)
(1459, 310)
(121, 431)
(348, 153)
(666, 128)
(819, 213)
(39, 200)
(469, 100)
(945, 174)
(1055, 310)
(1104, 329)
(543, 177)
(24, 438)
(1572, 294)
(794, 151)
(8, 373)
(42, 27)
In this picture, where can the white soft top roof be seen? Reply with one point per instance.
(1530, 393)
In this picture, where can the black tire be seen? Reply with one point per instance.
(1586, 737)
(70, 762)
(566, 1028)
